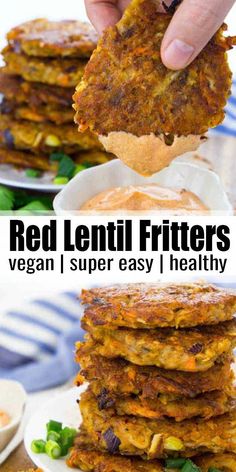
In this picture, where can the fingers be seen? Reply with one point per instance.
(103, 13)
(193, 25)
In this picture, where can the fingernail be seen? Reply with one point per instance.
(177, 54)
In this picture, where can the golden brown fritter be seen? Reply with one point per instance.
(39, 114)
(60, 72)
(192, 350)
(24, 159)
(221, 462)
(205, 405)
(44, 137)
(122, 378)
(155, 305)
(46, 38)
(156, 438)
(95, 461)
(34, 94)
(127, 88)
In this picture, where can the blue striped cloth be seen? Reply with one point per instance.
(228, 127)
(37, 342)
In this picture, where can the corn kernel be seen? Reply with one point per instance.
(173, 444)
(52, 140)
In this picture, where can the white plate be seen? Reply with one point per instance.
(61, 408)
(16, 178)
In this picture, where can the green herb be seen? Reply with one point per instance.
(34, 205)
(53, 449)
(66, 167)
(6, 199)
(189, 466)
(34, 173)
(175, 463)
(60, 180)
(38, 446)
(55, 426)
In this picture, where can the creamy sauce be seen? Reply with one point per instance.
(145, 197)
(148, 154)
(4, 419)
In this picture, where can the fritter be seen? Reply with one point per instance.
(203, 406)
(44, 137)
(121, 378)
(46, 38)
(24, 159)
(192, 350)
(59, 72)
(39, 114)
(34, 94)
(156, 438)
(126, 87)
(155, 305)
(95, 461)
(218, 462)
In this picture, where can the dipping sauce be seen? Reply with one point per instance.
(143, 198)
(4, 419)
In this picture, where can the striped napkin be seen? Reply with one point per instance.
(37, 342)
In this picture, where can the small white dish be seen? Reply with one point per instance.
(63, 408)
(12, 401)
(13, 177)
(180, 174)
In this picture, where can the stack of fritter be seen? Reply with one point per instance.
(158, 362)
(44, 62)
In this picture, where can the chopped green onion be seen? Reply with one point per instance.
(38, 446)
(54, 426)
(32, 173)
(53, 436)
(59, 180)
(189, 466)
(67, 437)
(175, 463)
(79, 168)
(53, 449)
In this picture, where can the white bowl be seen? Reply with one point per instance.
(195, 178)
(12, 401)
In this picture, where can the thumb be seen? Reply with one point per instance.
(192, 26)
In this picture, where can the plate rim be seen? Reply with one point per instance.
(37, 459)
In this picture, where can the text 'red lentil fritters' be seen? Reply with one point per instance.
(127, 88)
(44, 60)
(158, 364)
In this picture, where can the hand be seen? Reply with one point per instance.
(192, 26)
